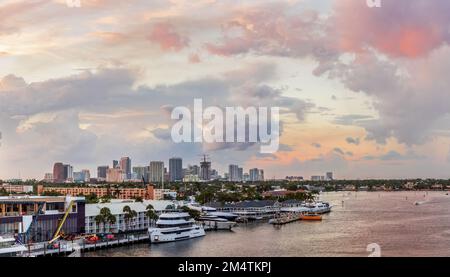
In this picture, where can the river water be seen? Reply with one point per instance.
(389, 219)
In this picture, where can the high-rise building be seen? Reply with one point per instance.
(58, 173)
(246, 177)
(68, 172)
(175, 169)
(141, 172)
(329, 176)
(205, 169)
(256, 175)
(87, 175)
(114, 175)
(240, 174)
(261, 175)
(156, 171)
(115, 164)
(101, 172)
(233, 173)
(79, 177)
(125, 165)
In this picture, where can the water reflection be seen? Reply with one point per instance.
(390, 219)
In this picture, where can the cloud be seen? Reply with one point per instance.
(316, 145)
(351, 140)
(168, 39)
(338, 151)
(108, 116)
(398, 29)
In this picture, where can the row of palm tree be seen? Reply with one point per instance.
(106, 217)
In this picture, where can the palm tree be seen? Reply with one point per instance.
(151, 214)
(104, 217)
(129, 214)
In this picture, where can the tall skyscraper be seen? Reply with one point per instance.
(115, 164)
(240, 174)
(156, 171)
(68, 172)
(87, 175)
(141, 172)
(101, 172)
(125, 165)
(205, 169)
(329, 176)
(175, 169)
(233, 173)
(114, 175)
(256, 175)
(58, 173)
(261, 175)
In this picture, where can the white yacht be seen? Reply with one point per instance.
(319, 207)
(10, 248)
(174, 227)
(312, 207)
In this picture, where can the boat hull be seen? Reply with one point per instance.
(159, 235)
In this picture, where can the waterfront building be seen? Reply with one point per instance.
(58, 173)
(101, 172)
(138, 223)
(37, 217)
(175, 169)
(156, 171)
(146, 192)
(125, 165)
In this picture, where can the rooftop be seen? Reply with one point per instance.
(116, 207)
(36, 199)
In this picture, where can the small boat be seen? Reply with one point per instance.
(311, 216)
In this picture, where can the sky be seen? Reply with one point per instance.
(363, 92)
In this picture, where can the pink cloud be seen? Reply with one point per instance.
(399, 28)
(167, 38)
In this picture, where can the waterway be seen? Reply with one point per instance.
(391, 220)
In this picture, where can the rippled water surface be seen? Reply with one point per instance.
(389, 219)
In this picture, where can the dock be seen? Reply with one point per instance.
(285, 219)
(71, 248)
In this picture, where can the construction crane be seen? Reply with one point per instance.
(61, 223)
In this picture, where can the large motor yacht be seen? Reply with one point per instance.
(174, 227)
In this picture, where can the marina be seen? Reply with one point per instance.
(386, 218)
(182, 230)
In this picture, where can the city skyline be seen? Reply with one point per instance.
(84, 85)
